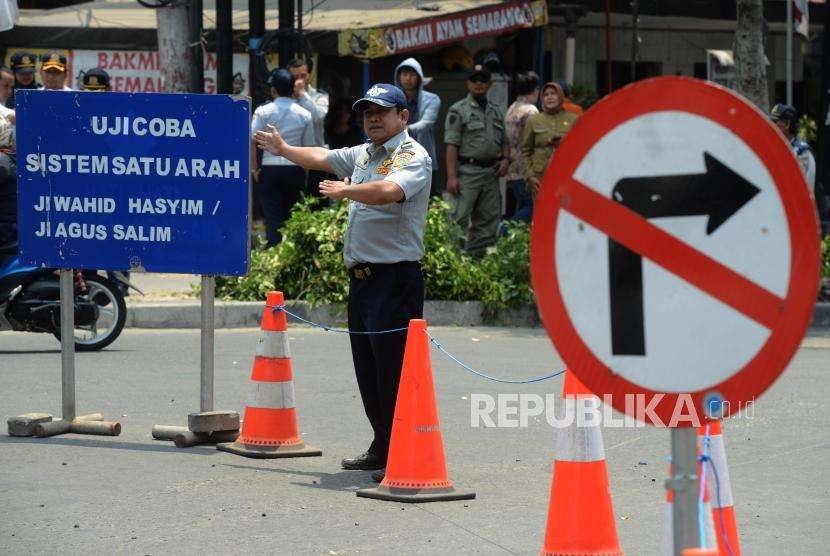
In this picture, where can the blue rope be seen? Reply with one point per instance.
(282, 308)
(433, 341)
(701, 514)
(724, 535)
(443, 350)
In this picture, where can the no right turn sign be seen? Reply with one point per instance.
(675, 247)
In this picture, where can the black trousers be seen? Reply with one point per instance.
(386, 297)
(279, 191)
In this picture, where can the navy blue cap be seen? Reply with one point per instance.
(280, 78)
(23, 61)
(382, 94)
(96, 79)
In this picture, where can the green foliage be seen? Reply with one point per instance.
(807, 129)
(583, 96)
(507, 271)
(308, 264)
(825, 257)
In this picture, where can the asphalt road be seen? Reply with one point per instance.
(133, 495)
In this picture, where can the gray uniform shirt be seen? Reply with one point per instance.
(393, 232)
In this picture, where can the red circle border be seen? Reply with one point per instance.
(752, 127)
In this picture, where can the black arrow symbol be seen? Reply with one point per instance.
(718, 193)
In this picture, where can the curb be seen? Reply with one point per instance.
(248, 314)
(242, 314)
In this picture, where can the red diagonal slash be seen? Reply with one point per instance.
(638, 234)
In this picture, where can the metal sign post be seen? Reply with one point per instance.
(43, 425)
(206, 384)
(684, 484)
(67, 285)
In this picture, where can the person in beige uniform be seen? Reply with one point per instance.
(477, 152)
(542, 134)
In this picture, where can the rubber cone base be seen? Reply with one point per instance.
(269, 452)
(416, 495)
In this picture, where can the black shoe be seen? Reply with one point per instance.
(378, 475)
(364, 462)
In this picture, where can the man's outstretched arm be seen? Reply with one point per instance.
(311, 158)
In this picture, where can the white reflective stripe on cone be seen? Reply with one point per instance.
(272, 344)
(711, 535)
(720, 498)
(667, 544)
(271, 395)
(583, 444)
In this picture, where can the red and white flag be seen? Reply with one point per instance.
(801, 16)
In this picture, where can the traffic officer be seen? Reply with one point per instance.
(96, 79)
(23, 66)
(786, 119)
(388, 186)
(477, 155)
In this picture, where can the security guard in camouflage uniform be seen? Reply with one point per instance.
(477, 156)
(388, 186)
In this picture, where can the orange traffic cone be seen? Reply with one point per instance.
(416, 470)
(269, 428)
(708, 545)
(581, 516)
(726, 525)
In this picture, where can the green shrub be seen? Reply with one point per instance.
(825, 257)
(308, 264)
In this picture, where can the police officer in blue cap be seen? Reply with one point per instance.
(387, 182)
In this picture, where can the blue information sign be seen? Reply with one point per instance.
(116, 181)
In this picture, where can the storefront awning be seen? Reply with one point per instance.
(376, 42)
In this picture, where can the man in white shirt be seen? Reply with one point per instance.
(280, 180)
(317, 103)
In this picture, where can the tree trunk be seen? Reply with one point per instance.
(175, 56)
(748, 49)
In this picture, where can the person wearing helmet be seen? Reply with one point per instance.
(542, 134)
(786, 119)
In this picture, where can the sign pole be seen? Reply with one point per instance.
(67, 287)
(684, 485)
(206, 397)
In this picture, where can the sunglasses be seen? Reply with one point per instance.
(479, 79)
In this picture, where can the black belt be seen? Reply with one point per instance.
(482, 162)
(363, 271)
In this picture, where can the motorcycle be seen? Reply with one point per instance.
(30, 302)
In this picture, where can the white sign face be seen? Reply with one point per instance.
(700, 183)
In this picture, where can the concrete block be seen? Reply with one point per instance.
(453, 313)
(24, 425)
(213, 421)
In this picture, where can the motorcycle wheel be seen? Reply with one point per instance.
(112, 314)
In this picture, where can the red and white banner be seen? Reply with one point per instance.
(138, 71)
(428, 33)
